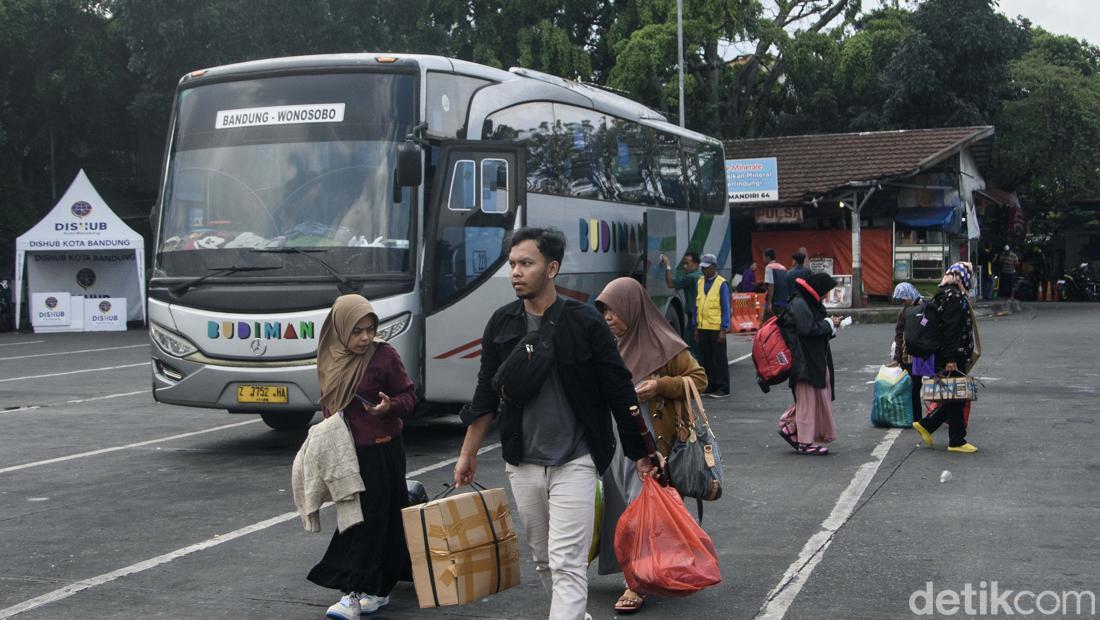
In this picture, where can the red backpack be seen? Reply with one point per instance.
(771, 355)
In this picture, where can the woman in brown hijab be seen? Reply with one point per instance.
(365, 379)
(657, 359)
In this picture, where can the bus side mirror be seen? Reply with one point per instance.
(409, 167)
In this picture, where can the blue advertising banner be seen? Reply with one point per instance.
(752, 180)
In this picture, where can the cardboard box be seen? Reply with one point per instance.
(948, 388)
(451, 543)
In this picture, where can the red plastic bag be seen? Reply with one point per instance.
(661, 549)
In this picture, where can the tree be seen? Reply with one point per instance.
(643, 39)
(62, 78)
(952, 69)
(1048, 138)
(556, 36)
(861, 64)
(750, 93)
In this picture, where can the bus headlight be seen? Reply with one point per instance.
(392, 328)
(171, 343)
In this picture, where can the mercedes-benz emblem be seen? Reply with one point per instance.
(259, 346)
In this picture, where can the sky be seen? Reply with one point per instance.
(1077, 18)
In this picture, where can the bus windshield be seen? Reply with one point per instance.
(303, 161)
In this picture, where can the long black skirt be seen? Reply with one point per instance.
(371, 557)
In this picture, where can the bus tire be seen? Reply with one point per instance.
(287, 420)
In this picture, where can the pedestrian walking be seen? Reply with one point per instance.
(748, 279)
(657, 359)
(1008, 262)
(807, 328)
(713, 307)
(686, 284)
(365, 379)
(775, 279)
(906, 294)
(956, 348)
(798, 269)
(556, 442)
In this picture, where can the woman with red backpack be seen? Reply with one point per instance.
(807, 329)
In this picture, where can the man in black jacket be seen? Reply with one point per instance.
(956, 347)
(558, 443)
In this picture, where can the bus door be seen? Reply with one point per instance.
(661, 238)
(478, 190)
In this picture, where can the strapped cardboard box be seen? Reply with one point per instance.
(463, 547)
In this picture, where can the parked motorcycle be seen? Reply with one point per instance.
(1079, 284)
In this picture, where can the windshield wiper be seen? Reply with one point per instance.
(181, 288)
(347, 287)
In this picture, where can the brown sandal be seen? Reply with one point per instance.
(630, 602)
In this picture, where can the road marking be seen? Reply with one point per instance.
(743, 357)
(74, 372)
(23, 357)
(139, 444)
(16, 344)
(84, 584)
(73, 402)
(798, 573)
(88, 400)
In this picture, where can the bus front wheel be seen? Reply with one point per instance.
(287, 420)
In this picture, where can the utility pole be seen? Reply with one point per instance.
(680, 51)
(856, 208)
(857, 267)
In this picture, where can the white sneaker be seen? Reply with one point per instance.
(369, 603)
(346, 609)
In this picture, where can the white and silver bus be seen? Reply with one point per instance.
(290, 181)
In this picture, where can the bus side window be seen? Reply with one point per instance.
(712, 177)
(532, 122)
(462, 196)
(494, 186)
(448, 97)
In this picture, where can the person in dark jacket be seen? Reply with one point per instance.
(364, 380)
(907, 295)
(954, 354)
(807, 328)
(798, 269)
(557, 444)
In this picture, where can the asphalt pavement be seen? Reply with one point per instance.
(113, 506)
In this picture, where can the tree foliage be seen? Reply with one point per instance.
(89, 83)
(1048, 144)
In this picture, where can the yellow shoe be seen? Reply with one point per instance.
(968, 448)
(925, 435)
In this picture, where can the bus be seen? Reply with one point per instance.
(290, 181)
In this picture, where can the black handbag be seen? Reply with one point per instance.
(520, 376)
(694, 463)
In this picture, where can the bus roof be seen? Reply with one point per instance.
(601, 99)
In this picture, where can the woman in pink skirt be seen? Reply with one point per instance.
(808, 329)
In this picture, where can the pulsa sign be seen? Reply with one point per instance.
(752, 180)
(778, 215)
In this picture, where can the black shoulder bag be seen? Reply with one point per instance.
(520, 376)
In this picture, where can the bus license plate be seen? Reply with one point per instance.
(262, 394)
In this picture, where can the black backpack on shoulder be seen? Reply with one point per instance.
(922, 329)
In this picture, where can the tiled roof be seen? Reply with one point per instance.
(816, 164)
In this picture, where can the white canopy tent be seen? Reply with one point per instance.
(82, 248)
